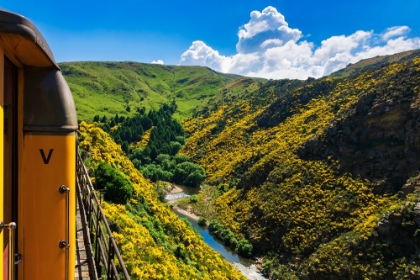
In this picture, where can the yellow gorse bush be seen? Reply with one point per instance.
(144, 257)
(314, 215)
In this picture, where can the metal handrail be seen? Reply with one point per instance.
(11, 267)
(105, 248)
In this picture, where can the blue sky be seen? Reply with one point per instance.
(272, 39)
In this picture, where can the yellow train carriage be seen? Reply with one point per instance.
(38, 155)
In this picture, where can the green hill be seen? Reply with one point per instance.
(322, 175)
(109, 88)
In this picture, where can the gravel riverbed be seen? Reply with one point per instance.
(251, 272)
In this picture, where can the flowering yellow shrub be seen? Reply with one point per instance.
(321, 222)
(154, 242)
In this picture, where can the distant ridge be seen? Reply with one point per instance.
(110, 88)
(377, 61)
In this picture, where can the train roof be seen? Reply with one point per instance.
(48, 104)
(28, 45)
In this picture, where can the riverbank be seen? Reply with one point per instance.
(186, 213)
(174, 189)
(251, 272)
(174, 193)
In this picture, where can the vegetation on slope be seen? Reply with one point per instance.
(158, 159)
(375, 62)
(311, 173)
(154, 242)
(122, 87)
(117, 188)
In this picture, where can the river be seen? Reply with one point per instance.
(216, 243)
(209, 238)
(244, 265)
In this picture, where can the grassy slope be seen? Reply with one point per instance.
(107, 88)
(320, 222)
(154, 242)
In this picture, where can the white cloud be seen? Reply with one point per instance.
(271, 42)
(267, 47)
(159, 61)
(201, 54)
(267, 25)
(395, 31)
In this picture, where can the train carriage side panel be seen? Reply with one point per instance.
(49, 162)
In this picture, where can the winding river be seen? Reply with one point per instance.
(216, 243)
(244, 265)
(209, 238)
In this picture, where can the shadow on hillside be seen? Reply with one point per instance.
(378, 140)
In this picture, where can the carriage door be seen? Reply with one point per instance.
(9, 163)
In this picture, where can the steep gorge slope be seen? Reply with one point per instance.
(154, 242)
(326, 171)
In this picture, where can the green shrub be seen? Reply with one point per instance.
(180, 139)
(244, 248)
(181, 158)
(202, 221)
(175, 147)
(118, 189)
(190, 174)
(193, 198)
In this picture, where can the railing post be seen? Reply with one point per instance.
(110, 257)
(97, 245)
(90, 215)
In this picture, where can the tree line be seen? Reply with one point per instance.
(158, 160)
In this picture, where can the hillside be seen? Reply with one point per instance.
(321, 176)
(375, 62)
(109, 88)
(154, 242)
